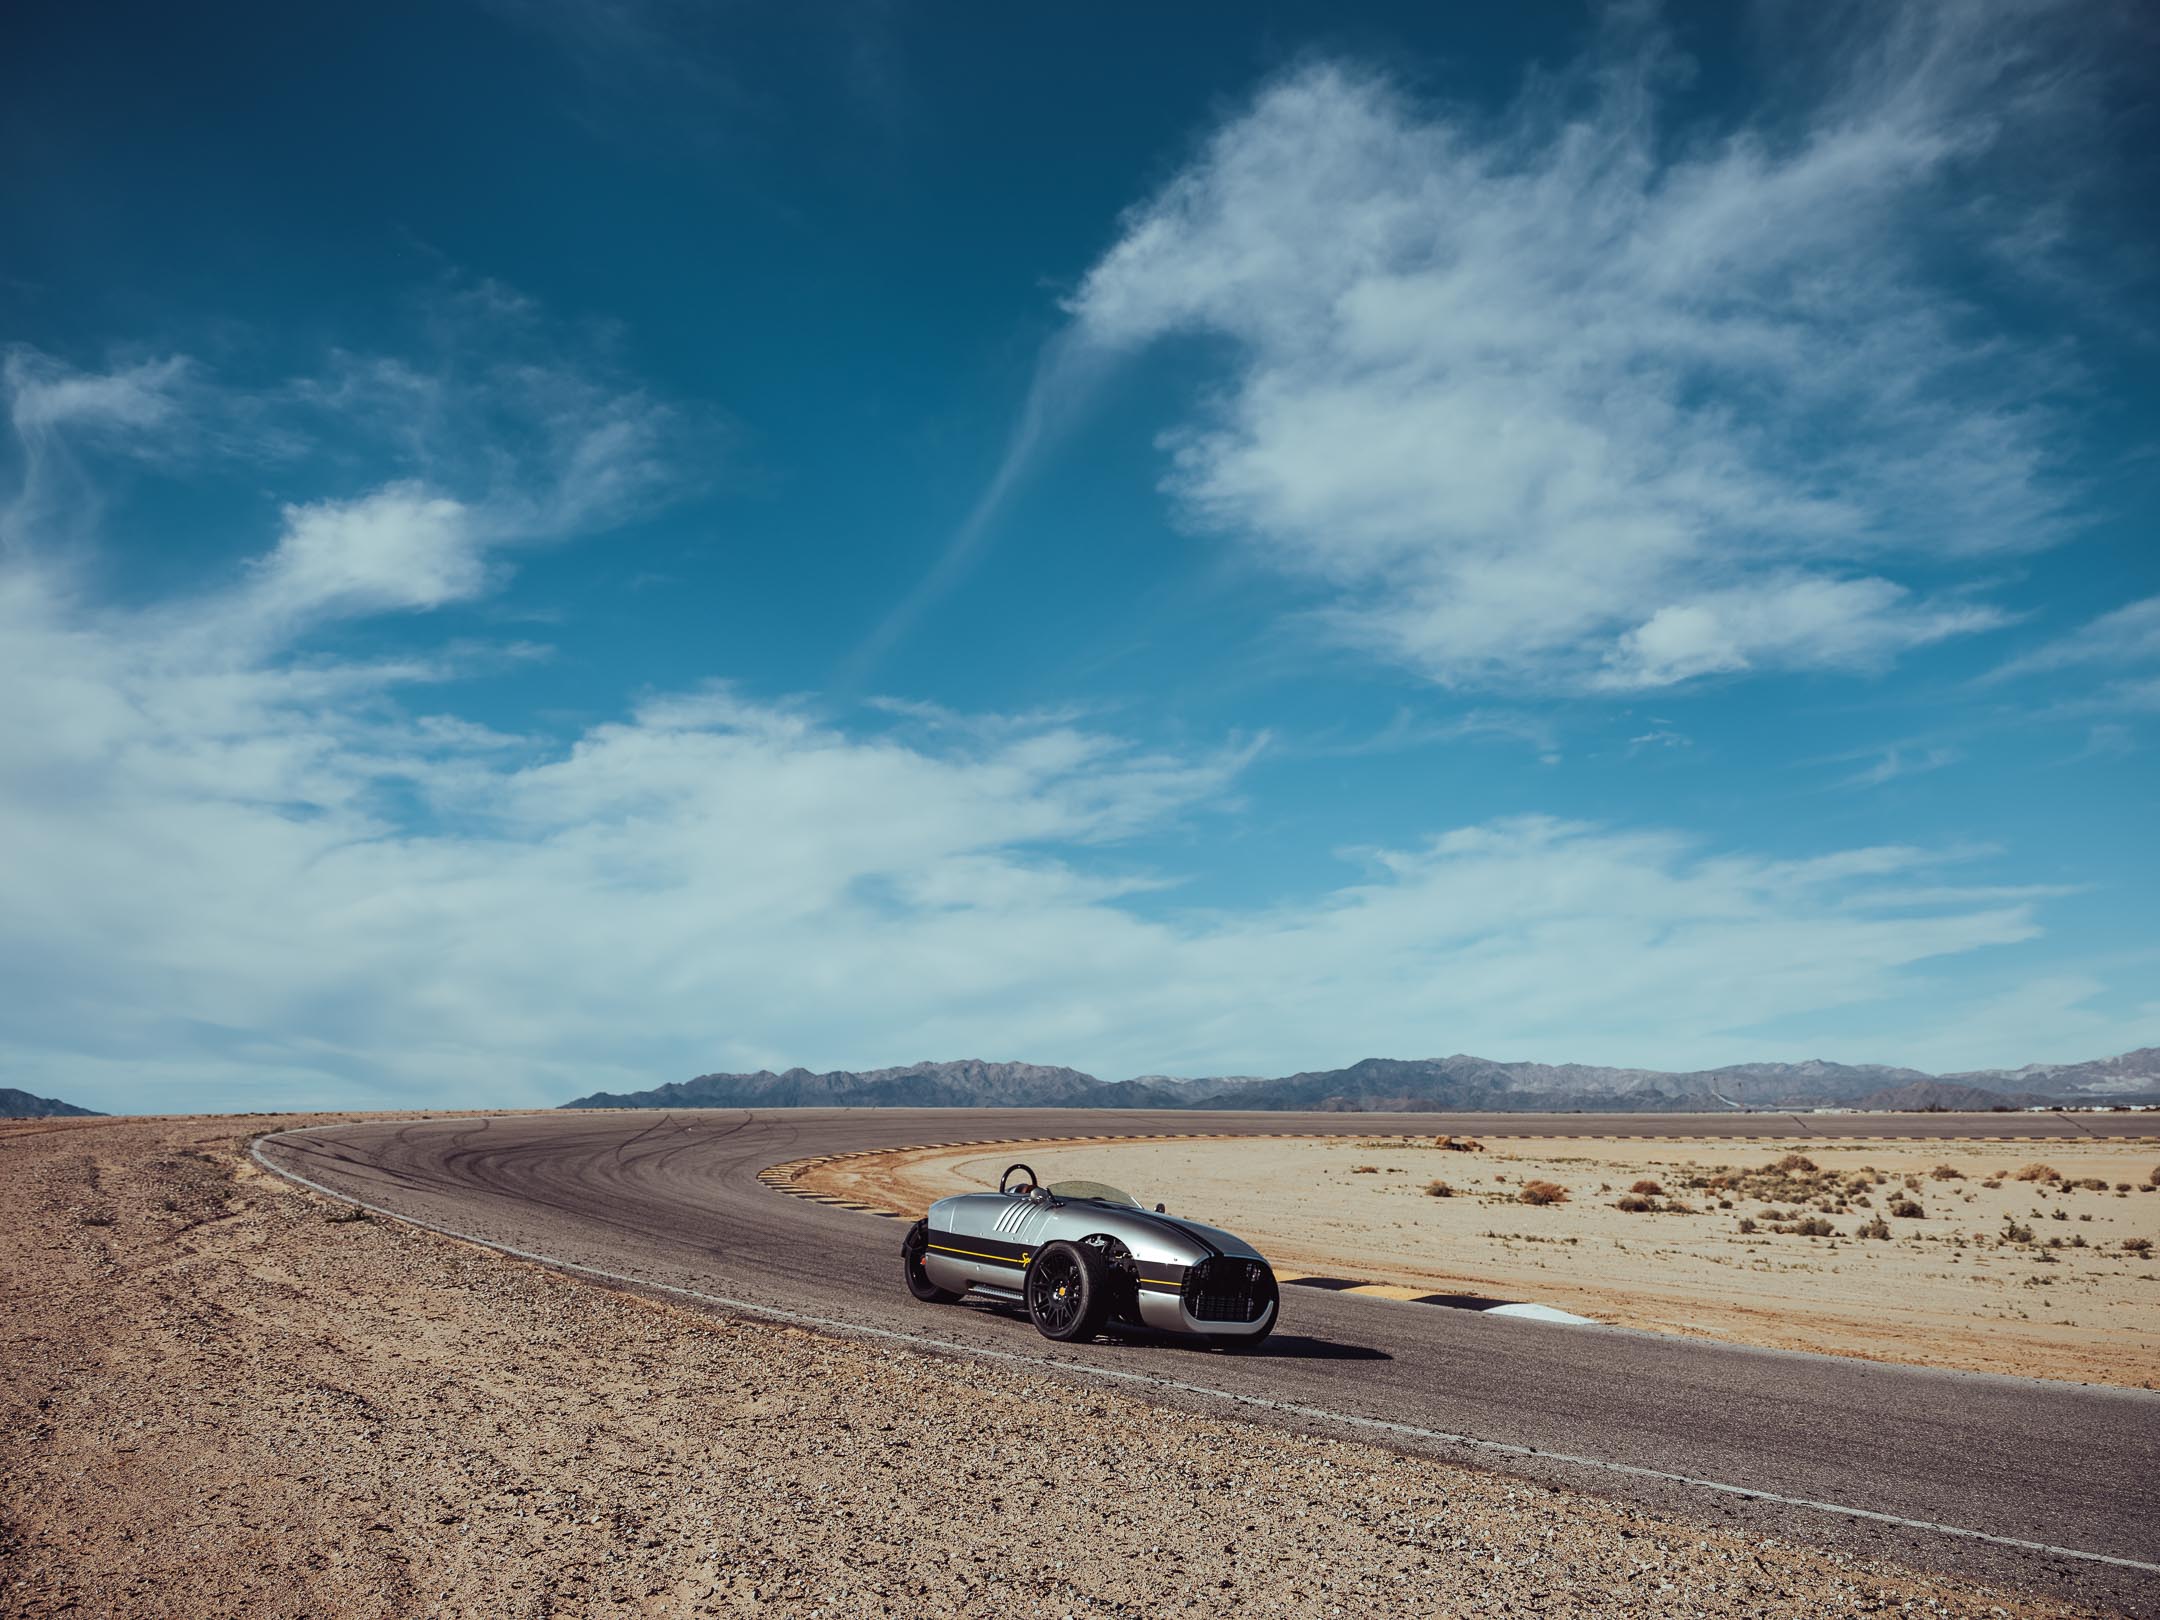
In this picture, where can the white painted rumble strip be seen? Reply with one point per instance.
(858, 1330)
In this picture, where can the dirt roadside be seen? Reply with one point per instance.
(1977, 1269)
(220, 1396)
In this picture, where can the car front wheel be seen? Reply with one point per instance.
(1068, 1292)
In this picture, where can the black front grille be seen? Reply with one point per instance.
(1229, 1290)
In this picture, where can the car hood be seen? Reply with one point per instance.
(1215, 1236)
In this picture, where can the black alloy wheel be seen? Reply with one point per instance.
(1068, 1292)
(914, 1251)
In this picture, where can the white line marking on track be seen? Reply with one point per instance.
(1540, 1313)
(1316, 1414)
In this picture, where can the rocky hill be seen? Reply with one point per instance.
(22, 1105)
(1455, 1084)
(969, 1083)
(2126, 1075)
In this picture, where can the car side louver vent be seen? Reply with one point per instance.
(1229, 1290)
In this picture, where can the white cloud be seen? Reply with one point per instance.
(526, 426)
(397, 548)
(2071, 1008)
(514, 434)
(550, 445)
(43, 394)
(134, 408)
(1570, 397)
(243, 878)
(2128, 635)
(1790, 621)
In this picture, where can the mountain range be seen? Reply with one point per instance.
(1452, 1084)
(22, 1105)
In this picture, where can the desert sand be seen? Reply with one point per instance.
(2039, 1277)
(221, 1396)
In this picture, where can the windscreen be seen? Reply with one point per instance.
(1092, 1189)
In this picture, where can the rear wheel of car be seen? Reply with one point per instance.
(1069, 1292)
(914, 1252)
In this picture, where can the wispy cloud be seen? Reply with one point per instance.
(2110, 739)
(2140, 696)
(1894, 763)
(506, 432)
(1066, 375)
(1409, 729)
(1573, 397)
(2128, 635)
(1662, 737)
(54, 412)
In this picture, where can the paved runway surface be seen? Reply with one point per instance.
(673, 1200)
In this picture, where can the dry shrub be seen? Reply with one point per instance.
(2137, 1245)
(1647, 1187)
(1794, 1179)
(1679, 1206)
(1542, 1192)
(1635, 1203)
(1877, 1228)
(1947, 1172)
(1906, 1209)
(1364, 1169)
(1438, 1189)
(1815, 1226)
(2039, 1172)
(2091, 1183)
(1747, 1224)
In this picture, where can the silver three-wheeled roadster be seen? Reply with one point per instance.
(1081, 1256)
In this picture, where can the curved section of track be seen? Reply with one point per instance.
(2051, 1487)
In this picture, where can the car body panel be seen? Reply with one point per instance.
(985, 1242)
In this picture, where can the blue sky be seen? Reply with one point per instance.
(551, 547)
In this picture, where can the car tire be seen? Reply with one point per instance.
(1069, 1292)
(914, 1250)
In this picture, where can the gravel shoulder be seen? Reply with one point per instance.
(2054, 1276)
(221, 1396)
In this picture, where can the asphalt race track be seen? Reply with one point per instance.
(2035, 1473)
